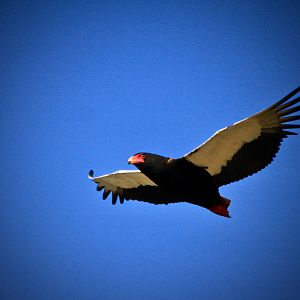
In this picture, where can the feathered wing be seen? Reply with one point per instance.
(248, 146)
(131, 185)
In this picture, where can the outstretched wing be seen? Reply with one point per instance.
(131, 185)
(248, 146)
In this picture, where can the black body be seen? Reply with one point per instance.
(181, 180)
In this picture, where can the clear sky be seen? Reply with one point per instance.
(86, 84)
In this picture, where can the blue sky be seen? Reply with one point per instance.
(86, 84)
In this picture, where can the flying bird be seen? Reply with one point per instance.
(231, 154)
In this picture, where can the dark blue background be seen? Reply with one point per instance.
(87, 84)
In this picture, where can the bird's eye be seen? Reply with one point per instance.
(142, 156)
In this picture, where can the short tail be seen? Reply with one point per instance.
(221, 208)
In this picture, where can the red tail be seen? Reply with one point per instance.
(221, 209)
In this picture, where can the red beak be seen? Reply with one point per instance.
(135, 159)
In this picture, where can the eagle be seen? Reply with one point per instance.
(231, 154)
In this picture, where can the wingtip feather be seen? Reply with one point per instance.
(114, 198)
(285, 98)
(91, 175)
(105, 194)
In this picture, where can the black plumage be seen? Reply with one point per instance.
(231, 154)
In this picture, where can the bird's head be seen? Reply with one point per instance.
(149, 161)
(138, 158)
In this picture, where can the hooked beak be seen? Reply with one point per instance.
(135, 160)
(130, 160)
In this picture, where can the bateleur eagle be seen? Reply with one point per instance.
(231, 154)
